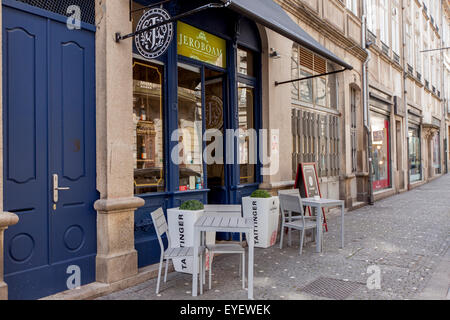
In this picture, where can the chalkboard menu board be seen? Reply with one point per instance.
(308, 182)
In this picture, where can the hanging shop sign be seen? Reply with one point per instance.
(153, 43)
(200, 45)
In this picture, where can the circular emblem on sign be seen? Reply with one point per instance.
(154, 42)
(214, 112)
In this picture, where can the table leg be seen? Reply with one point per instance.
(342, 226)
(319, 228)
(250, 264)
(195, 262)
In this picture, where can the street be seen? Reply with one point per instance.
(405, 238)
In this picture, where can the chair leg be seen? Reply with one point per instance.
(159, 274)
(243, 270)
(210, 273)
(281, 237)
(167, 270)
(201, 273)
(302, 239)
(290, 237)
(204, 267)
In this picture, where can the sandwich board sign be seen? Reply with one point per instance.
(307, 181)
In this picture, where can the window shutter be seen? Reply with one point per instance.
(320, 65)
(306, 59)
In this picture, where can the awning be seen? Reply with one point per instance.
(272, 16)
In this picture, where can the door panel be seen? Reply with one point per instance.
(25, 137)
(73, 222)
(48, 128)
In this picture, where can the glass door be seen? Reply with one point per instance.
(215, 132)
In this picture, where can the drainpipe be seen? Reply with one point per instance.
(405, 100)
(443, 96)
(366, 102)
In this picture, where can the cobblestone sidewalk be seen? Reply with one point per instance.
(406, 236)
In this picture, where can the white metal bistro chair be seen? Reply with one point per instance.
(226, 248)
(161, 227)
(290, 201)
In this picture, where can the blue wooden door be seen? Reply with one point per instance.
(48, 130)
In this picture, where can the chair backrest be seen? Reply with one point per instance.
(289, 191)
(224, 210)
(161, 227)
(291, 203)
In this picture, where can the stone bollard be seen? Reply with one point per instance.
(6, 219)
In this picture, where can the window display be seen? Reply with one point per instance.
(437, 154)
(246, 122)
(380, 151)
(147, 118)
(415, 164)
(190, 125)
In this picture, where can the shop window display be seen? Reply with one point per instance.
(148, 148)
(380, 151)
(415, 165)
(190, 125)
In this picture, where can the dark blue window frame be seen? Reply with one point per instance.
(145, 238)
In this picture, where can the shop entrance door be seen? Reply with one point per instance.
(49, 154)
(215, 111)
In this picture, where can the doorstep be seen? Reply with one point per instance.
(96, 289)
(357, 205)
(382, 194)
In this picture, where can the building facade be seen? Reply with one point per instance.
(106, 131)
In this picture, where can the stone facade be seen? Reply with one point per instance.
(402, 81)
(395, 90)
(340, 31)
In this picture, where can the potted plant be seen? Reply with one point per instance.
(263, 209)
(181, 230)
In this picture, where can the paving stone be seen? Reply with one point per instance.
(405, 235)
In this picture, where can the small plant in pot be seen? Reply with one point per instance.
(260, 194)
(192, 205)
(181, 231)
(263, 209)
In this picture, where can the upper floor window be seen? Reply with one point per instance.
(418, 53)
(384, 21)
(352, 5)
(319, 91)
(395, 27)
(372, 15)
(409, 43)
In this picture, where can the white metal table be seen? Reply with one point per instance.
(318, 205)
(220, 223)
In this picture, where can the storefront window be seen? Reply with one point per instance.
(148, 146)
(295, 67)
(190, 125)
(245, 62)
(437, 153)
(321, 92)
(306, 87)
(247, 141)
(415, 169)
(214, 92)
(380, 151)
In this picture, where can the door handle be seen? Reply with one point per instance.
(57, 188)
